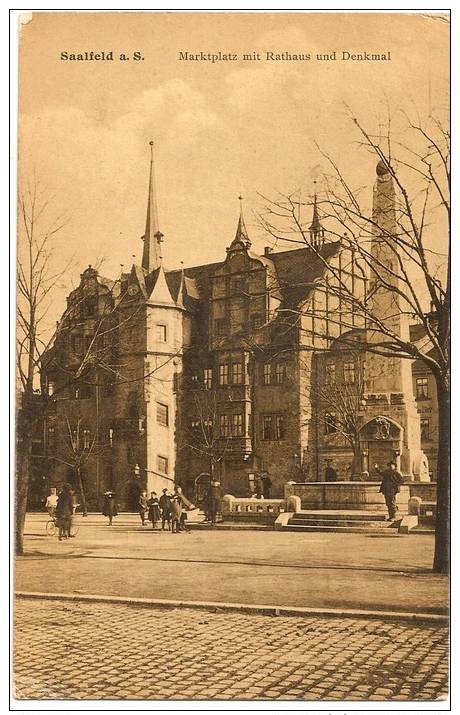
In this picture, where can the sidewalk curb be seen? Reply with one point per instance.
(267, 610)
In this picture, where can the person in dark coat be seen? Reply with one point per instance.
(110, 506)
(143, 506)
(176, 513)
(64, 511)
(266, 485)
(391, 482)
(165, 506)
(206, 504)
(154, 509)
(214, 501)
(330, 474)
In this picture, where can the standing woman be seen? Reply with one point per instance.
(64, 511)
(154, 509)
(110, 506)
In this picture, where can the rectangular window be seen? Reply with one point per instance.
(161, 333)
(223, 374)
(91, 307)
(82, 392)
(76, 344)
(86, 438)
(279, 427)
(237, 285)
(237, 373)
(280, 373)
(51, 437)
(421, 387)
(207, 378)
(195, 379)
(132, 454)
(51, 387)
(162, 464)
(225, 426)
(330, 423)
(273, 427)
(220, 327)
(237, 426)
(267, 374)
(424, 429)
(256, 320)
(162, 414)
(330, 373)
(349, 373)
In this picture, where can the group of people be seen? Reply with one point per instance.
(62, 508)
(171, 509)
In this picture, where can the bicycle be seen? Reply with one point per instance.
(51, 527)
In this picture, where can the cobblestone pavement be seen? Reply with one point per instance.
(73, 650)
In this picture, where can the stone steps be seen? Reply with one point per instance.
(349, 515)
(342, 521)
(338, 522)
(304, 528)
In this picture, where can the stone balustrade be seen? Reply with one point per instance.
(263, 511)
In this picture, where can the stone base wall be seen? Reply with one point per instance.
(359, 496)
(425, 490)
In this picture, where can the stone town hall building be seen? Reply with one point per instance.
(168, 376)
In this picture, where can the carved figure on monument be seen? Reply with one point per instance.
(382, 428)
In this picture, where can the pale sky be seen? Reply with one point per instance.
(219, 129)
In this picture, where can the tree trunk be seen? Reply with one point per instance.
(442, 533)
(82, 491)
(22, 484)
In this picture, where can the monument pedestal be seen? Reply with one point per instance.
(336, 496)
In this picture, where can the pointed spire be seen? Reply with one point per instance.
(241, 235)
(161, 295)
(151, 258)
(181, 294)
(316, 230)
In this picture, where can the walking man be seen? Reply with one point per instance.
(391, 482)
(165, 506)
(110, 506)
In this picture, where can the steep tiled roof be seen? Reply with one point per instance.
(294, 271)
(298, 269)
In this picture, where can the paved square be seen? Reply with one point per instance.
(68, 650)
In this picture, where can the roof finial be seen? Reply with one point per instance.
(150, 256)
(241, 232)
(316, 230)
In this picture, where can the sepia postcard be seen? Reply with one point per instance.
(233, 327)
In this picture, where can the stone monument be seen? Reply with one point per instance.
(391, 422)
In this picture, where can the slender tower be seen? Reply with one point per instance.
(151, 256)
(391, 420)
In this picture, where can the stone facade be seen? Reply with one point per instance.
(216, 372)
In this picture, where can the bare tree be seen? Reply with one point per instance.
(36, 278)
(79, 444)
(202, 434)
(336, 406)
(398, 251)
